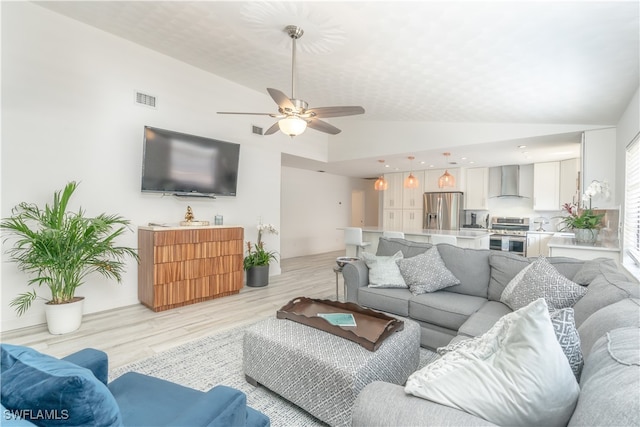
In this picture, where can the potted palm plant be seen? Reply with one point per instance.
(256, 262)
(59, 249)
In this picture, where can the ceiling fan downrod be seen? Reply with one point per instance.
(295, 33)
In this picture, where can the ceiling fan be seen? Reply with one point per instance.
(293, 113)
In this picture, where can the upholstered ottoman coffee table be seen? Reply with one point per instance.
(323, 373)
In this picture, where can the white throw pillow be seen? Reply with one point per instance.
(384, 271)
(426, 272)
(542, 280)
(515, 374)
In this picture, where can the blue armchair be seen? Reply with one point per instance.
(42, 390)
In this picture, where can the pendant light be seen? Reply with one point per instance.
(446, 180)
(411, 181)
(381, 184)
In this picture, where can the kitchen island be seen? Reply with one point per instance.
(465, 238)
(567, 246)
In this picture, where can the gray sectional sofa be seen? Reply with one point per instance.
(607, 318)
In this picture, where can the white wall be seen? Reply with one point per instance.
(627, 129)
(314, 206)
(68, 114)
(599, 164)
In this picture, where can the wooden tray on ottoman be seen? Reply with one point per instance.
(372, 327)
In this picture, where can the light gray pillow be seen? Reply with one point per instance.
(426, 272)
(565, 327)
(384, 271)
(542, 280)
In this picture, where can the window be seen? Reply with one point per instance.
(631, 243)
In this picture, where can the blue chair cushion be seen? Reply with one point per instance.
(51, 392)
(146, 400)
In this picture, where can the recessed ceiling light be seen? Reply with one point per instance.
(431, 166)
(464, 158)
(386, 166)
(522, 146)
(422, 162)
(472, 162)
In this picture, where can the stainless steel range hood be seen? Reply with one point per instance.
(509, 181)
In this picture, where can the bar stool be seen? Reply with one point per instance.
(353, 236)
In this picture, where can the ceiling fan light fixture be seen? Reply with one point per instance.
(292, 126)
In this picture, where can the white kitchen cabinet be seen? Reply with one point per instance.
(412, 197)
(392, 196)
(569, 181)
(546, 186)
(433, 175)
(538, 243)
(412, 220)
(477, 189)
(392, 219)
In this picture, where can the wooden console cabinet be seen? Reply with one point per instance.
(186, 265)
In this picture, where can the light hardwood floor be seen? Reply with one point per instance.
(132, 333)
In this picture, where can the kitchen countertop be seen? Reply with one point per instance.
(570, 243)
(461, 234)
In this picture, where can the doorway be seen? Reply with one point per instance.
(357, 208)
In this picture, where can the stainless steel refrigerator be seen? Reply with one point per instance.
(443, 211)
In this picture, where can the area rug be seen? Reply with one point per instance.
(217, 359)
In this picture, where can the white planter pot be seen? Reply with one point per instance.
(64, 318)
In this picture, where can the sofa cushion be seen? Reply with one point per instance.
(624, 313)
(515, 374)
(483, 319)
(394, 301)
(387, 247)
(32, 381)
(383, 271)
(542, 280)
(445, 309)
(592, 268)
(473, 272)
(610, 382)
(505, 266)
(607, 288)
(426, 272)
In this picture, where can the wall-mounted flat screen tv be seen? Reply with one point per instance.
(188, 165)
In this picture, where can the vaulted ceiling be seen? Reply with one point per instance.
(539, 62)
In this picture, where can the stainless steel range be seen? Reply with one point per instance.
(509, 234)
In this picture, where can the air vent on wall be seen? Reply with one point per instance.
(256, 129)
(146, 100)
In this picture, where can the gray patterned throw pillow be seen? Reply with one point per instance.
(383, 270)
(542, 280)
(426, 272)
(565, 327)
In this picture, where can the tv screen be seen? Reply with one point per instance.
(184, 164)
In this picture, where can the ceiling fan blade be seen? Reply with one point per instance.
(335, 111)
(273, 129)
(281, 99)
(323, 127)
(251, 114)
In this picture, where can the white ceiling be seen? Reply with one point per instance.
(540, 62)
